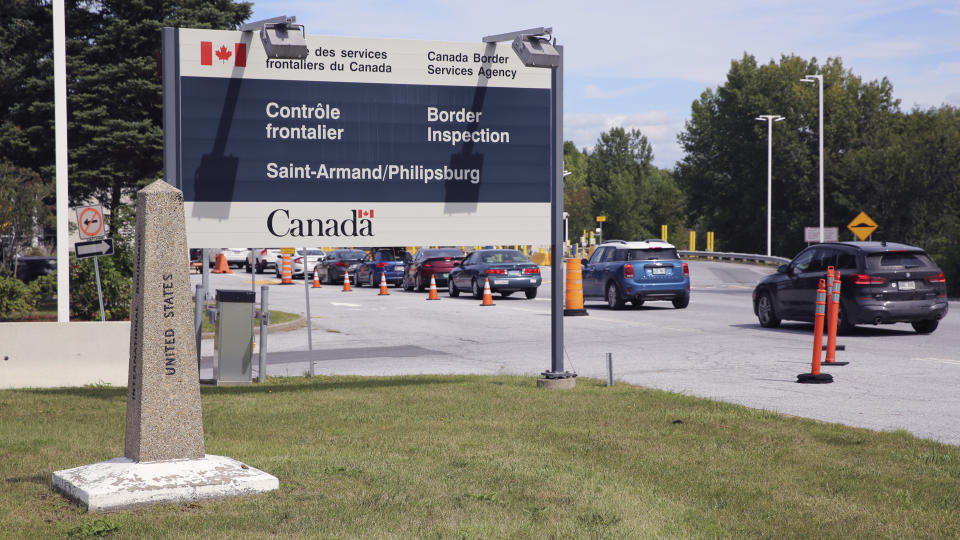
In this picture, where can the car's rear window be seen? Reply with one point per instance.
(442, 253)
(897, 260)
(352, 254)
(504, 257)
(645, 254)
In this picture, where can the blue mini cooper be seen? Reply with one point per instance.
(619, 271)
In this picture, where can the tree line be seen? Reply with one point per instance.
(901, 167)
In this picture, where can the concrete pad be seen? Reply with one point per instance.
(557, 384)
(122, 483)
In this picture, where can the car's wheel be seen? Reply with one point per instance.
(614, 299)
(370, 281)
(477, 290)
(530, 293)
(329, 277)
(636, 303)
(406, 287)
(248, 267)
(766, 312)
(681, 302)
(419, 281)
(259, 267)
(505, 294)
(452, 289)
(925, 327)
(844, 326)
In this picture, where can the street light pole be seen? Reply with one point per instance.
(770, 119)
(819, 80)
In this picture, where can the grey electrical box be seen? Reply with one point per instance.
(233, 341)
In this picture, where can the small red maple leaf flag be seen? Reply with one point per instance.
(223, 54)
(367, 213)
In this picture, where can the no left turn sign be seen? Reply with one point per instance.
(90, 221)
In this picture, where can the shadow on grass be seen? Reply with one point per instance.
(274, 385)
(40, 479)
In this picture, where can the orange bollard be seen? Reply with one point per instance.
(316, 279)
(222, 266)
(433, 289)
(574, 294)
(833, 316)
(286, 271)
(815, 377)
(346, 281)
(383, 285)
(487, 295)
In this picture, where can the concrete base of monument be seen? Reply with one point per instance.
(123, 483)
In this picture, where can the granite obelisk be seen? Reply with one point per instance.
(164, 458)
(163, 392)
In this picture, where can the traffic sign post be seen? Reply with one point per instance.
(90, 221)
(862, 226)
(95, 248)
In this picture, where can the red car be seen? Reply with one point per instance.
(435, 262)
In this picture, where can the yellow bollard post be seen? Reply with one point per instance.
(693, 240)
(663, 233)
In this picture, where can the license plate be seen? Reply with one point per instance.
(513, 273)
(444, 275)
(500, 281)
(908, 285)
(659, 271)
(399, 267)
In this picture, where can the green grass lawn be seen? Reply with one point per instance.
(490, 457)
(276, 317)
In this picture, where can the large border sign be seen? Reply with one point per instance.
(364, 142)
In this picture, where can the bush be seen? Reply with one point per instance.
(15, 298)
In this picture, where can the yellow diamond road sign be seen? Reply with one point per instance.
(862, 226)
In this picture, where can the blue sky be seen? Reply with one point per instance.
(641, 64)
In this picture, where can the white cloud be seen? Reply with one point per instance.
(592, 91)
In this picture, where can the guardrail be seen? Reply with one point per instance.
(747, 257)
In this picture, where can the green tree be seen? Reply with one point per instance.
(723, 173)
(577, 200)
(23, 213)
(619, 169)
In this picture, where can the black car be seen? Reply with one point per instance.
(508, 270)
(880, 283)
(338, 262)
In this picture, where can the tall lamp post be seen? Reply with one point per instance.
(770, 119)
(819, 80)
(535, 48)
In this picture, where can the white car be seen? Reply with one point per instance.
(313, 256)
(262, 259)
(235, 256)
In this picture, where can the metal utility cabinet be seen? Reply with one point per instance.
(233, 342)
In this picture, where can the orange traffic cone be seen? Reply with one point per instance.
(487, 295)
(222, 266)
(383, 284)
(286, 271)
(433, 289)
(346, 281)
(316, 279)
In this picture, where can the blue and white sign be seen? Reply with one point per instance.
(364, 142)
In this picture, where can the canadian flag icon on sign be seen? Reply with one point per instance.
(365, 213)
(238, 54)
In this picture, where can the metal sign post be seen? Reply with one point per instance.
(95, 249)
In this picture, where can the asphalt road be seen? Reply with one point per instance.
(896, 378)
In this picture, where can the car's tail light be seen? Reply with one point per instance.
(341, 264)
(864, 279)
(496, 271)
(686, 270)
(628, 271)
(937, 278)
(381, 265)
(427, 265)
(264, 252)
(531, 270)
(298, 260)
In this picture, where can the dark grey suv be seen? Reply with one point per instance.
(881, 283)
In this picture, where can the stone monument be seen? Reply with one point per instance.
(164, 459)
